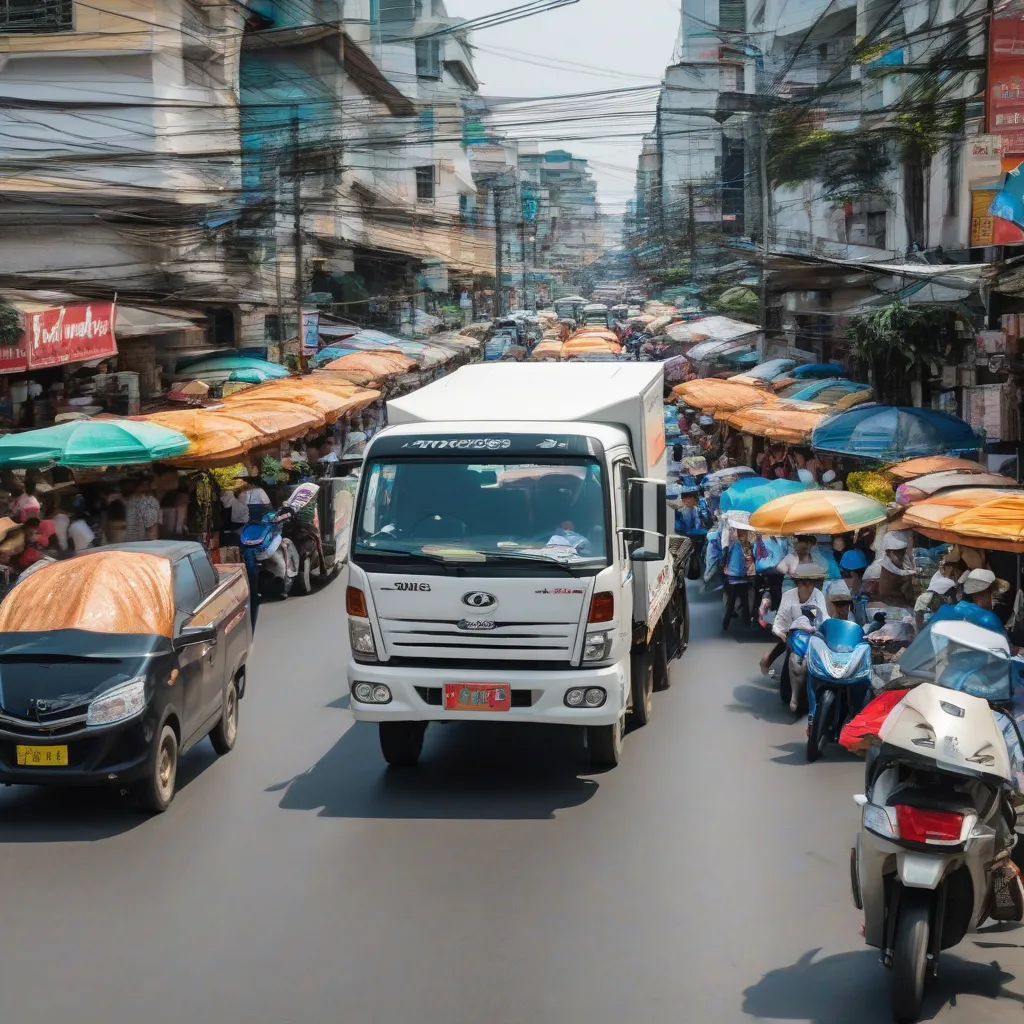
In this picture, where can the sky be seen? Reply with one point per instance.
(589, 46)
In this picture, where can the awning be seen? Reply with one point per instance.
(710, 328)
(133, 322)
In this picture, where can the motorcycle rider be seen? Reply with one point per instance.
(941, 591)
(806, 592)
(980, 590)
(851, 569)
(840, 601)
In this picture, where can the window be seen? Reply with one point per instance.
(399, 10)
(208, 578)
(953, 157)
(427, 122)
(186, 587)
(425, 183)
(428, 58)
(36, 16)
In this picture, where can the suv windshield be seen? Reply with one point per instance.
(464, 512)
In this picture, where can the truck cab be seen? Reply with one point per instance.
(509, 557)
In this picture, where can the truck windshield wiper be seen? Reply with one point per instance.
(526, 556)
(403, 553)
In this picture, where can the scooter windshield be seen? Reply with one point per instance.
(960, 656)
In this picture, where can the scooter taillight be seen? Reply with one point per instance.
(920, 826)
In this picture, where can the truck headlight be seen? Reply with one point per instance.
(360, 638)
(597, 645)
(118, 704)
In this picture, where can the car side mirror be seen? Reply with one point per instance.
(189, 636)
(646, 527)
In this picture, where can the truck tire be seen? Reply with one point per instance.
(401, 743)
(658, 651)
(604, 743)
(156, 791)
(641, 670)
(225, 732)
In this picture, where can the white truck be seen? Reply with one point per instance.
(509, 556)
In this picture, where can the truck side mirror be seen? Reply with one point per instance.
(646, 519)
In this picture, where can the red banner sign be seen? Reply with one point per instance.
(75, 333)
(1006, 76)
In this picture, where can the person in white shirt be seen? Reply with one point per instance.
(239, 502)
(80, 533)
(806, 591)
(802, 554)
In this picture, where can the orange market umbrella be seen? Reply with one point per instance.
(601, 333)
(276, 421)
(792, 426)
(712, 395)
(343, 378)
(934, 508)
(817, 512)
(547, 350)
(996, 523)
(933, 464)
(382, 364)
(575, 345)
(212, 437)
(331, 400)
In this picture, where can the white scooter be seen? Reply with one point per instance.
(938, 807)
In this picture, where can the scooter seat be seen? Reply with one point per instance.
(256, 535)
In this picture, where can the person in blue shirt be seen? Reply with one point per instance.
(980, 589)
(739, 574)
(693, 517)
(851, 568)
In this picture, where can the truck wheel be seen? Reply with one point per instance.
(605, 744)
(658, 652)
(156, 791)
(641, 668)
(401, 743)
(910, 960)
(225, 732)
(304, 581)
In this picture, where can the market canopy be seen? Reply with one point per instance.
(709, 351)
(767, 371)
(212, 438)
(94, 442)
(711, 395)
(791, 426)
(547, 350)
(922, 487)
(275, 420)
(996, 523)
(328, 399)
(380, 364)
(709, 328)
(912, 468)
(750, 493)
(828, 390)
(816, 512)
(887, 433)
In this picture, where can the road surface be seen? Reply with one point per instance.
(705, 879)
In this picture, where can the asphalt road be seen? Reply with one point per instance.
(296, 880)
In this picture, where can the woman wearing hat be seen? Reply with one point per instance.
(739, 574)
(941, 591)
(808, 577)
(980, 589)
(895, 578)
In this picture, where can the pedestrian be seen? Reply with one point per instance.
(895, 578)
(801, 554)
(141, 512)
(840, 601)
(80, 534)
(25, 503)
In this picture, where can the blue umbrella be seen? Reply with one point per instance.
(750, 493)
(809, 371)
(892, 433)
(771, 369)
(809, 390)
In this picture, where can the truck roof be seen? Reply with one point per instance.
(525, 392)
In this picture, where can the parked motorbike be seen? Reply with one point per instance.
(938, 807)
(279, 549)
(838, 666)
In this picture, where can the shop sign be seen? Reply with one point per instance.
(75, 333)
(982, 222)
(1006, 76)
(310, 332)
(984, 158)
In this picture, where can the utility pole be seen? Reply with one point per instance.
(297, 206)
(765, 205)
(692, 231)
(522, 242)
(497, 253)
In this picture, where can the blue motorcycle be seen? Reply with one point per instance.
(838, 663)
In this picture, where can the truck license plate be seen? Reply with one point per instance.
(477, 697)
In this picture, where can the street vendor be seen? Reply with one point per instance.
(895, 577)
(941, 591)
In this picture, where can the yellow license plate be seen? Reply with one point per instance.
(43, 757)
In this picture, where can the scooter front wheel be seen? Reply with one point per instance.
(821, 727)
(910, 958)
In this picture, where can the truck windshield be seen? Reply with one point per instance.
(459, 512)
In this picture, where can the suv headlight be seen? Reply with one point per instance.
(597, 645)
(360, 638)
(118, 704)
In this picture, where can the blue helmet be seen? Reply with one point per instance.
(853, 560)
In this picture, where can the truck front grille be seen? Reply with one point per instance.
(508, 641)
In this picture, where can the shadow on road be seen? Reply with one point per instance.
(761, 702)
(35, 814)
(796, 753)
(853, 988)
(485, 770)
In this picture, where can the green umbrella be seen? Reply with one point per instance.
(84, 443)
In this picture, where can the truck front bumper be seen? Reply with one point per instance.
(417, 694)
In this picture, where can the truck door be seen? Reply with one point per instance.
(622, 470)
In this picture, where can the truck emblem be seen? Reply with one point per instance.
(550, 442)
(476, 625)
(478, 599)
